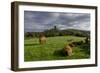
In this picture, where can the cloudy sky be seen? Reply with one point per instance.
(35, 21)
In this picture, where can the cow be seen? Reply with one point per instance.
(68, 50)
(42, 38)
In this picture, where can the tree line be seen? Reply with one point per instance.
(56, 32)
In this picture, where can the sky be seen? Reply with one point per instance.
(37, 21)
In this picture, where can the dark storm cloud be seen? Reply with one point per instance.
(39, 21)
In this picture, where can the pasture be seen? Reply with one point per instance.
(52, 50)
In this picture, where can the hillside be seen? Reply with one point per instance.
(56, 32)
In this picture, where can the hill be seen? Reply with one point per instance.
(56, 32)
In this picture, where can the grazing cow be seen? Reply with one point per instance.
(74, 43)
(78, 43)
(71, 45)
(68, 50)
(42, 38)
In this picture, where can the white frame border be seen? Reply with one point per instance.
(34, 64)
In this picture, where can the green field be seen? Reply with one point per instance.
(52, 50)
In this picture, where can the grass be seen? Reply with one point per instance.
(52, 50)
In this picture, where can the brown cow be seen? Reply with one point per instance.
(42, 38)
(68, 50)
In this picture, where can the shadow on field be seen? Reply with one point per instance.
(59, 53)
(85, 48)
(32, 44)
